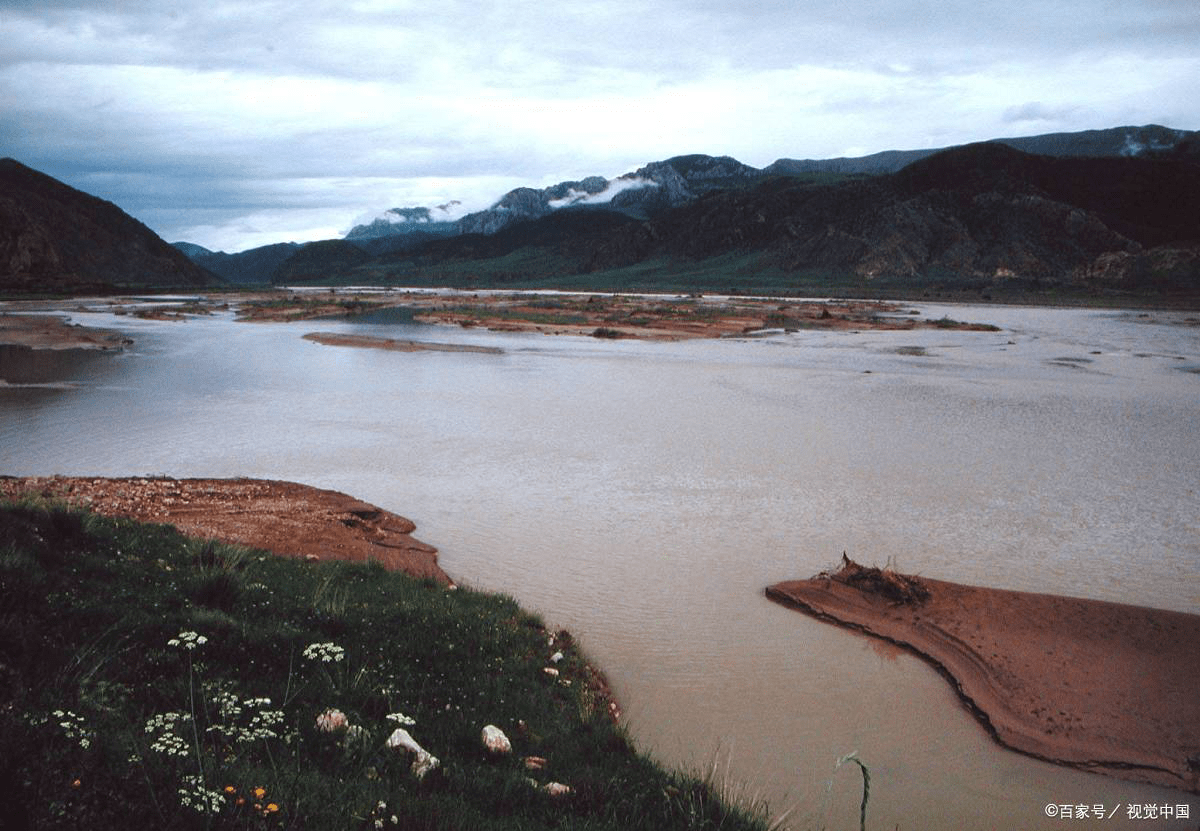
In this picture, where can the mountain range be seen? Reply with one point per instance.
(682, 179)
(1106, 212)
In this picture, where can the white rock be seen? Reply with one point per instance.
(401, 739)
(332, 721)
(423, 760)
(556, 788)
(423, 764)
(495, 741)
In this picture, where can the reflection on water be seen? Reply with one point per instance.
(22, 365)
(644, 494)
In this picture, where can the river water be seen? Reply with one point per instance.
(643, 494)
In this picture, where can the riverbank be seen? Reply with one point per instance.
(155, 679)
(285, 518)
(1104, 687)
(46, 331)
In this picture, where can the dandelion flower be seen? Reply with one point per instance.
(272, 807)
(259, 793)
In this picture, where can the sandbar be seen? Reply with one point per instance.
(285, 518)
(55, 332)
(395, 344)
(1105, 687)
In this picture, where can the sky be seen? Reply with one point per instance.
(239, 124)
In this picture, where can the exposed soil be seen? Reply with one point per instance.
(284, 518)
(395, 345)
(1105, 687)
(599, 315)
(56, 332)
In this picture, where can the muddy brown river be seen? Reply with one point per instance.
(644, 494)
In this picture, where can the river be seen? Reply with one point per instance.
(643, 494)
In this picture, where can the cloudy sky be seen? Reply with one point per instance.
(236, 124)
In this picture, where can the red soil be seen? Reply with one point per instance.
(281, 517)
(1105, 687)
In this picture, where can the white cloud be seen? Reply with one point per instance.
(239, 115)
(615, 186)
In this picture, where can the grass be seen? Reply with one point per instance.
(152, 680)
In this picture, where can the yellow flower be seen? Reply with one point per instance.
(272, 807)
(230, 789)
(259, 793)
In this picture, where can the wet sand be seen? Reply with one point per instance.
(37, 331)
(396, 345)
(284, 518)
(1104, 687)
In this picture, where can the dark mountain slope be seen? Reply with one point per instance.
(1154, 201)
(1146, 141)
(255, 266)
(54, 238)
(978, 218)
(316, 260)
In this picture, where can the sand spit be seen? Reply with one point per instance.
(395, 345)
(55, 332)
(1105, 687)
(281, 517)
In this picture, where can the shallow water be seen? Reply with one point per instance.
(644, 494)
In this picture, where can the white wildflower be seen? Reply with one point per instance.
(165, 740)
(324, 652)
(195, 795)
(188, 641)
(401, 719)
(260, 725)
(74, 727)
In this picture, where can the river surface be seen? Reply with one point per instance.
(643, 494)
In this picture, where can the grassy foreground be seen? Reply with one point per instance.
(149, 680)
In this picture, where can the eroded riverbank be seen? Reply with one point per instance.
(285, 518)
(1104, 687)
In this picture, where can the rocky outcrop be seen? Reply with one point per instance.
(645, 192)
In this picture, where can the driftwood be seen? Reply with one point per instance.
(900, 589)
